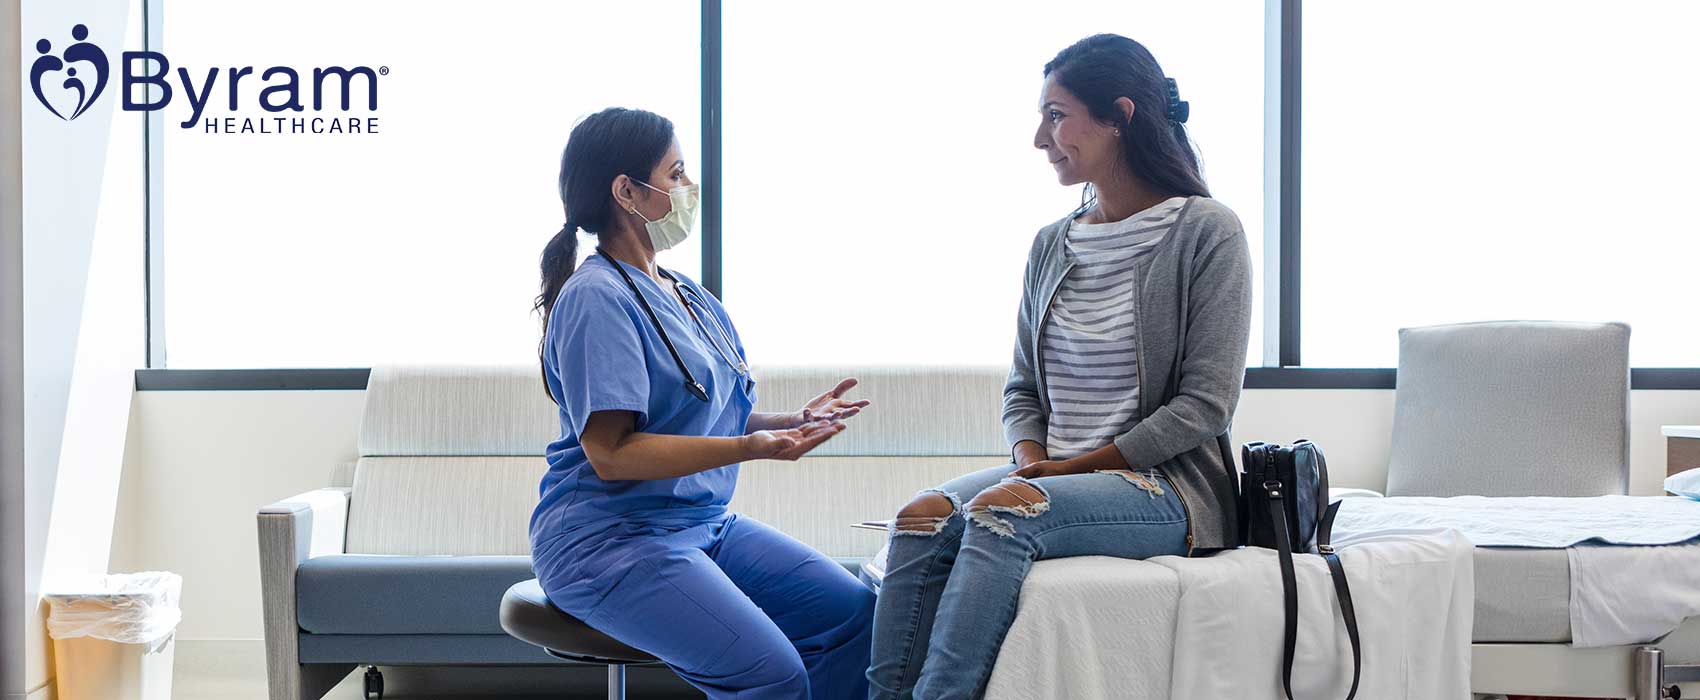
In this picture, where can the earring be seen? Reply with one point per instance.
(1117, 132)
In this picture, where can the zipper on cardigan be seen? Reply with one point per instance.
(1139, 379)
(1188, 511)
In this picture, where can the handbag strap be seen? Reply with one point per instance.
(1289, 586)
(1342, 591)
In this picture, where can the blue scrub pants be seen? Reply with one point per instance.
(741, 610)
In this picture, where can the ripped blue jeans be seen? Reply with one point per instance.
(952, 582)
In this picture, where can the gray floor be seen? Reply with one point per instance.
(236, 670)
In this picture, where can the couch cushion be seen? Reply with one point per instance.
(370, 594)
(502, 410)
(442, 470)
(916, 411)
(816, 499)
(443, 505)
(457, 410)
(365, 594)
(482, 505)
(430, 650)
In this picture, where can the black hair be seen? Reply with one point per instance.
(602, 146)
(1105, 67)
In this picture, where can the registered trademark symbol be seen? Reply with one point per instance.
(383, 70)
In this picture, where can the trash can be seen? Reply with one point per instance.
(113, 635)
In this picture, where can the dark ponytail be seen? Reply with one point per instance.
(1105, 67)
(602, 146)
(560, 256)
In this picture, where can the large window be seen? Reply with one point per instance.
(881, 185)
(418, 244)
(1490, 160)
(870, 180)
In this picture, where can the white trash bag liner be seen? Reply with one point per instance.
(134, 608)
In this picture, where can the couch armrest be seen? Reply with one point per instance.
(1336, 494)
(311, 524)
(291, 531)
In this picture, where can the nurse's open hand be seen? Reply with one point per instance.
(793, 443)
(831, 405)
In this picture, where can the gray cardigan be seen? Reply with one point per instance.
(1193, 307)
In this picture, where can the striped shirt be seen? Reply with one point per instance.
(1089, 346)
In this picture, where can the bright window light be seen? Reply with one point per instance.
(418, 244)
(881, 185)
(1469, 161)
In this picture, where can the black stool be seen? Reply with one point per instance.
(528, 615)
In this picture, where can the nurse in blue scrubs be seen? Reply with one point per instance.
(632, 534)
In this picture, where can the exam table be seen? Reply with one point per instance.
(1519, 409)
(1534, 409)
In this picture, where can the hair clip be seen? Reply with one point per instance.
(1179, 109)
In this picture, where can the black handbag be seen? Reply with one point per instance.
(1284, 506)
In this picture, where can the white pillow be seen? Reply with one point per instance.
(1684, 484)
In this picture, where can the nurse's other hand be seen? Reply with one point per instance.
(791, 444)
(831, 405)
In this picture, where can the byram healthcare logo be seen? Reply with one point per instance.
(67, 93)
(80, 52)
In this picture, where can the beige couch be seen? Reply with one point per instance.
(403, 559)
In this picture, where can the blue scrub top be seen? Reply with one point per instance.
(602, 353)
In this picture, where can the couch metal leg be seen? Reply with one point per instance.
(616, 682)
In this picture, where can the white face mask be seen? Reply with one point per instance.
(675, 227)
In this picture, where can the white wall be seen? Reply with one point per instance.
(199, 466)
(82, 313)
(12, 676)
(201, 463)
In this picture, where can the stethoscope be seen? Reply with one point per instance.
(691, 301)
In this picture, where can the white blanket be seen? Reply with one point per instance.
(1172, 627)
(1532, 521)
(1090, 627)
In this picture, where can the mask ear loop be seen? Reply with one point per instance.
(633, 208)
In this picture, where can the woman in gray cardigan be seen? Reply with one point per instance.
(1129, 357)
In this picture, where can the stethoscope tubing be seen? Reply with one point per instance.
(692, 386)
(692, 302)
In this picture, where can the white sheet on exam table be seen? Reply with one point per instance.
(1531, 521)
(1629, 595)
(1635, 589)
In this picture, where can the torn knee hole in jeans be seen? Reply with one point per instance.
(1012, 496)
(926, 525)
(918, 527)
(1148, 482)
